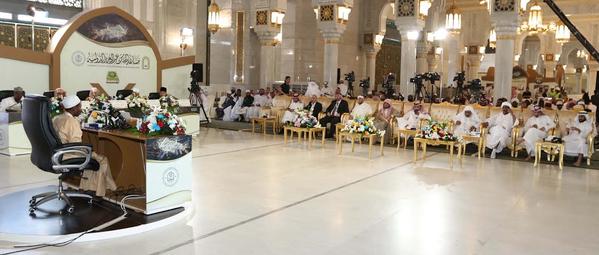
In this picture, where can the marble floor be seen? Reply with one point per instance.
(254, 195)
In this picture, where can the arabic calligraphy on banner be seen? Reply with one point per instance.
(111, 59)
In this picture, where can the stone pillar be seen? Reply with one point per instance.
(331, 26)
(421, 57)
(592, 77)
(410, 24)
(453, 57)
(474, 63)
(371, 53)
(267, 60)
(505, 17)
(408, 65)
(432, 60)
(267, 28)
(201, 33)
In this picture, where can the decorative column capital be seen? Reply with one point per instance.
(332, 17)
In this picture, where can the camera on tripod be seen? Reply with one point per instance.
(460, 77)
(350, 77)
(432, 77)
(365, 83)
(417, 80)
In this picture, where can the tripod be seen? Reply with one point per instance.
(194, 99)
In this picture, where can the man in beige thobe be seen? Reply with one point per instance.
(69, 131)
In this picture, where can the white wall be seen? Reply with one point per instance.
(177, 80)
(34, 78)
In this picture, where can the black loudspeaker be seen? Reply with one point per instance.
(199, 69)
(338, 75)
(597, 82)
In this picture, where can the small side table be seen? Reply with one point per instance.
(424, 142)
(312, 135)
(359, 136)
(264, 122)
(552, 148)
(406, 133)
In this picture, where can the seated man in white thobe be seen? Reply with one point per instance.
(411, 119)
(12, 103)
(326, 90)
(535, 130)
(575, 142)
(500, 129)
(68, 129)
(361, 110)
(466, 122)
(290, 114)
(232, 111)
(260, 100)
(312, 90)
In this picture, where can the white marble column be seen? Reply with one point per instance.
(421, 57)
(331, 60)
(474, 63)
(408, 65)
(267, 61)
(506, 25)
(371, 53)
(432, 59)
(592, 77)
(453, 55)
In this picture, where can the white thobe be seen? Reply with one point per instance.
(343, 89)
(9, 103)
(256, 110)
(411, 120)
(290, 116)
(312, 90)
(500, 130)
(576, 142)
(361, 110)
(532, 135)
(327, 91)
(466, 124)
(231, 112)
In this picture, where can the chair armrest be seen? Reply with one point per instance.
(85, 150)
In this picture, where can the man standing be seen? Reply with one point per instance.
(411, 119)
(286, 86)
(500, 129)
(466, 122)
(314, 106)
(13, 103)
(361, 110)
(575, 142)
(68, 129)
(334, 112)
(290, 114)
(536, 129)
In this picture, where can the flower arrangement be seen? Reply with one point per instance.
(98, 112)
(437, 131)
(160, 122)
(362, 126)
(305, 119)
(137, 105)
(55, 108)
(169, 103)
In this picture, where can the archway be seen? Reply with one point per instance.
(530, 56)
(575, 71)
(388, 59)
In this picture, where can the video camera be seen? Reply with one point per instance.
(350, 77)
(365, 83)
(460, 77)
(432, 77)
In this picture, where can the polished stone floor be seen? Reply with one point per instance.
(255, 195)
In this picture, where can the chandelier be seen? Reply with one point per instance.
(213, 17)
(492, 38)
(562, 33)
(425, 5)
(535, 21)
(453, 19)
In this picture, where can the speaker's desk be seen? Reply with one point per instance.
(158, 167)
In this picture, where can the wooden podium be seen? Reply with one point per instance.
(158, 167)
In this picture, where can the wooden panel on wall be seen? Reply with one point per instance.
(388, 60)
(7, 35)
(239, 50)
(23, 37)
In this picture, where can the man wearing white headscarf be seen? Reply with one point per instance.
(536, 129)
(232, 111)
(68, 129)
(326, 90)
(312, 90)
(411, 119)
(575, 142)
(466, 122)
(500, 129)
(362, 109)
(295, 104)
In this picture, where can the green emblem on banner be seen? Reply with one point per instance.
(112, 77)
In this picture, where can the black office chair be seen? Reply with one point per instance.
(154, 96)
(47, 153)
(83, 94)
(6, 93)
(49, 94)
(123, 93)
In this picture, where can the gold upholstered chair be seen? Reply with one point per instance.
(398, 106)
(444, 112)
(518, 131)
(564, 118)
(482, 112)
